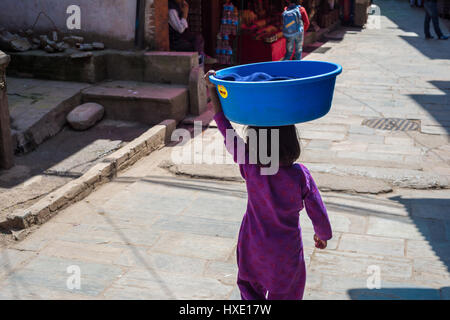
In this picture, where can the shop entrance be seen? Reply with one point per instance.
(248, 31)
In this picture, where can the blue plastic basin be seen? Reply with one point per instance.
(278, 103)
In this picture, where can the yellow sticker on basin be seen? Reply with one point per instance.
(223, 91)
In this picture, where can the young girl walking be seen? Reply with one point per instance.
(270, 250)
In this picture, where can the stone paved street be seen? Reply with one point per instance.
(151, 234)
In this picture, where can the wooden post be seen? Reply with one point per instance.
(6, 149)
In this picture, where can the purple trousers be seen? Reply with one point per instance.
(255, 291)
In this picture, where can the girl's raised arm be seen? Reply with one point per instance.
(233, 142)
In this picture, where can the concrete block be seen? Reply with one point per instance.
(125, 65)
(197, 91)
(169, 67)
(146, 103)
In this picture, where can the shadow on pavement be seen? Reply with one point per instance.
(437, 105)
(432, 218)
(70, 152)
(397, 294)
(412, 20)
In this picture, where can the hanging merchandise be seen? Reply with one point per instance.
(229, 26)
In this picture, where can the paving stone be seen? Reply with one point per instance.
(395, 149)
(349, 146)
(51, 273)
(399, 141)
(144, 258)
(109, 234)
(152, 285)
(414, 229)
(343, 264)
(370, 156)
(361, 130)
(82, 251)
(372, 245)
(235, 294)
(11, 259)
(200, 226)
(313, 294)
(225, 272)
(319, 144)
(14, 292)
(218, 207)
(212, 248)
(366, 138)
(428, 249)
(432, 269)
(144, 205)
(326, 135)
(38, 240)
(317, 126)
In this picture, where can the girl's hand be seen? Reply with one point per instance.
(217, 107)
(209, 84)
(320, 244)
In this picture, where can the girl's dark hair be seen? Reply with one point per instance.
(289, 143)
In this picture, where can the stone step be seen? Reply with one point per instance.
(143, 102)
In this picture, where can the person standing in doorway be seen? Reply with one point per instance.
(431, 14)
(181, 39)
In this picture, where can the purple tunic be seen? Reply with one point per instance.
(270, 245)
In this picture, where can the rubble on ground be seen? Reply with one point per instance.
(29, 40)
(13, 42)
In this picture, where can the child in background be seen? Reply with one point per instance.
(295, 25)
(270, 250)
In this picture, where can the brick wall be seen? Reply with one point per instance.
(156, 32)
